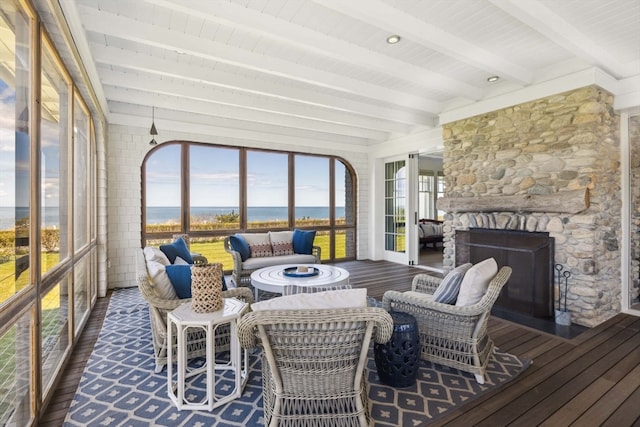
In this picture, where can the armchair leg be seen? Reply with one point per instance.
(480, 378)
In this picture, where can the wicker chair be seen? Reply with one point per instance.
(313, 363)
(159, 307)
(450, 335)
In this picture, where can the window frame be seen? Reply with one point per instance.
(332, 228)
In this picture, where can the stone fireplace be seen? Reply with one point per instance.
(552, 166)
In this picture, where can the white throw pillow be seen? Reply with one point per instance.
(155, 254)
(180, 261)
(476, 281)
(344, 298)
(160, 280)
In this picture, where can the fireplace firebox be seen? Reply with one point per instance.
(529, 291)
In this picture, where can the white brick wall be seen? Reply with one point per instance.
(127, 147)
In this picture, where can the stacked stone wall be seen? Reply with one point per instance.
(563, 142)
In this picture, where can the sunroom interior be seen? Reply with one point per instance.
(301, 108)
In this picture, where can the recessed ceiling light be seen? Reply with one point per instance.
(393, 39)
(493, 79)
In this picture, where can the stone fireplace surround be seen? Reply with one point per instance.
(548, 148)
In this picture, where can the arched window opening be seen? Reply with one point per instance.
(212, 191)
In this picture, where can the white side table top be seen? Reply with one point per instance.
(232, 309)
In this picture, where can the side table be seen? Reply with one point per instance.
(397, 360)
(185, 320)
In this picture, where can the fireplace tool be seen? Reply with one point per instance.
(563, 316)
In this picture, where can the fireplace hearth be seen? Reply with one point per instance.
(529, 291)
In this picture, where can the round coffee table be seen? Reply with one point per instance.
(272, 279)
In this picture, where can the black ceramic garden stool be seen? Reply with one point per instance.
(397, 360)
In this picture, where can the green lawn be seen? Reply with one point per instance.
(214, 250)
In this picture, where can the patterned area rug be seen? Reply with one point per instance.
(119, 386)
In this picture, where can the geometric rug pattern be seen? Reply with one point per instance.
(120, 388)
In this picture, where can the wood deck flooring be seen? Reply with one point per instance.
(590, 380)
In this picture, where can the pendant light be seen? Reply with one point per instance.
(153, 132)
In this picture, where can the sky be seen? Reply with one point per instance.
(215, 178)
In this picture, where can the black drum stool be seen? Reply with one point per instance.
(397, 360)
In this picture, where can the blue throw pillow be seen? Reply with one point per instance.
(303, 241)
(240, 245)
(180, 277)
(177, 249)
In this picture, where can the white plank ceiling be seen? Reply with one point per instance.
(321, 71)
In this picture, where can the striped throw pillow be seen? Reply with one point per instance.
(447, 290)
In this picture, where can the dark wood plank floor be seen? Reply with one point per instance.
(590, 380)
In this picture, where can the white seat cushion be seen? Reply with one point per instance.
(476, 281)
(259, 262)
(344, 298)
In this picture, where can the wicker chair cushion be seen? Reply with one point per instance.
(344, 298)
(177, 249)
(155, 254)
(281, 242)
(160, 280)
(476, 281)
(447, 291)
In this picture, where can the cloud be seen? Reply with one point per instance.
(217, 177)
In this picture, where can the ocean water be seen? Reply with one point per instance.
(161, 215)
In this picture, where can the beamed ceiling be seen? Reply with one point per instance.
(318, 71)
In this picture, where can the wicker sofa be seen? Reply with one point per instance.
(244, 265)
(159, 307)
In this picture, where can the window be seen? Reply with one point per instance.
(312, 191)
(54, 157)
(213, 191)
(15, 145)
(56, 165)
(267, 190)
(214, 188)
(430, 189)
(426, 194)
(395, 184)
(81, 178)
(163, 195)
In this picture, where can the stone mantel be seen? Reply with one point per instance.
(571, 202)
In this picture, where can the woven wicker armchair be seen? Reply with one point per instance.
(450, 335)
(159, 307)
(313, 363)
